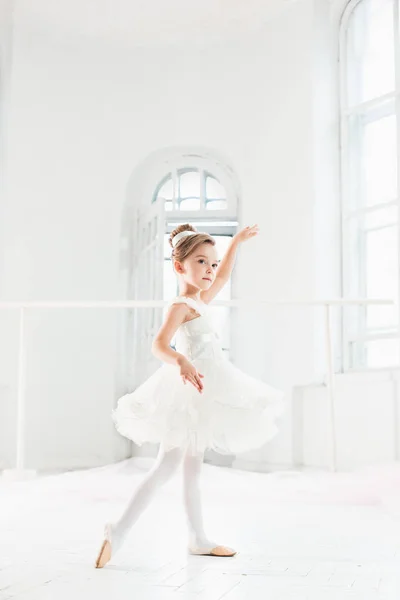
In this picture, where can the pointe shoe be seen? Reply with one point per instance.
(221, 551)
(104, 555)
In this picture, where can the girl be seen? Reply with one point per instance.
(197, 399)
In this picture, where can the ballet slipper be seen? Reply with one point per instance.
(221, 551)
(107, 548)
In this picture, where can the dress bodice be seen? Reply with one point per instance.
(197, 338)
(235, 412)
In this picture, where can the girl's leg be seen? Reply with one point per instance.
(192, 467)
(166, 464)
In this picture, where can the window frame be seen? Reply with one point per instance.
(355, 332)
(206, 169)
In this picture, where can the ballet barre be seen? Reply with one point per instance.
(20, 472)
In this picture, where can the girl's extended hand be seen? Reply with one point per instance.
(189, 373)
(246, 233)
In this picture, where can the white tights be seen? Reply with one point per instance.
(165, 466)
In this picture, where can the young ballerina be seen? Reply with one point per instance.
(222, 407)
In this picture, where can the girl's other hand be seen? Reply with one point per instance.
(189, 373)
(247, 233)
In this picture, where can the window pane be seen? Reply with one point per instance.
(382, 275)
(380, 161)
(214, 189)
(370, 50)
(190, 204)
(216, 205)
(168, 205)
(221, 243)
(166, 190)
(383, 353)
(372, 167)
(189, 184)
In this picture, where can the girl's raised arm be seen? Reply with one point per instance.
(227, 263)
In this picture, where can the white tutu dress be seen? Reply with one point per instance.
(235, 413)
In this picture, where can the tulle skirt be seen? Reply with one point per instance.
(235, 413)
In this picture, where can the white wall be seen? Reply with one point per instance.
(6, 42)
(366, 422)
(84, 113)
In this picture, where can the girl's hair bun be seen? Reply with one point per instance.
(179, 229)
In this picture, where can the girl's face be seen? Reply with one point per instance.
(199, 269)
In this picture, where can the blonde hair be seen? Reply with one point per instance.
(188, 244)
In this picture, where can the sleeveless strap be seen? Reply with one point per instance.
(197, 306)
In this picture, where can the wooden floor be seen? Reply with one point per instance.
(299, 536)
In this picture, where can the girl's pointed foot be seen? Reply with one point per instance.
(104, 555)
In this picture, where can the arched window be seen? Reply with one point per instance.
(191, 189)
(170, 187)
(203, 195)
(370, 128)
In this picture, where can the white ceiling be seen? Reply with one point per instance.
(144, 22)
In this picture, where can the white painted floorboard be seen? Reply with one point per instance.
(299, 536)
